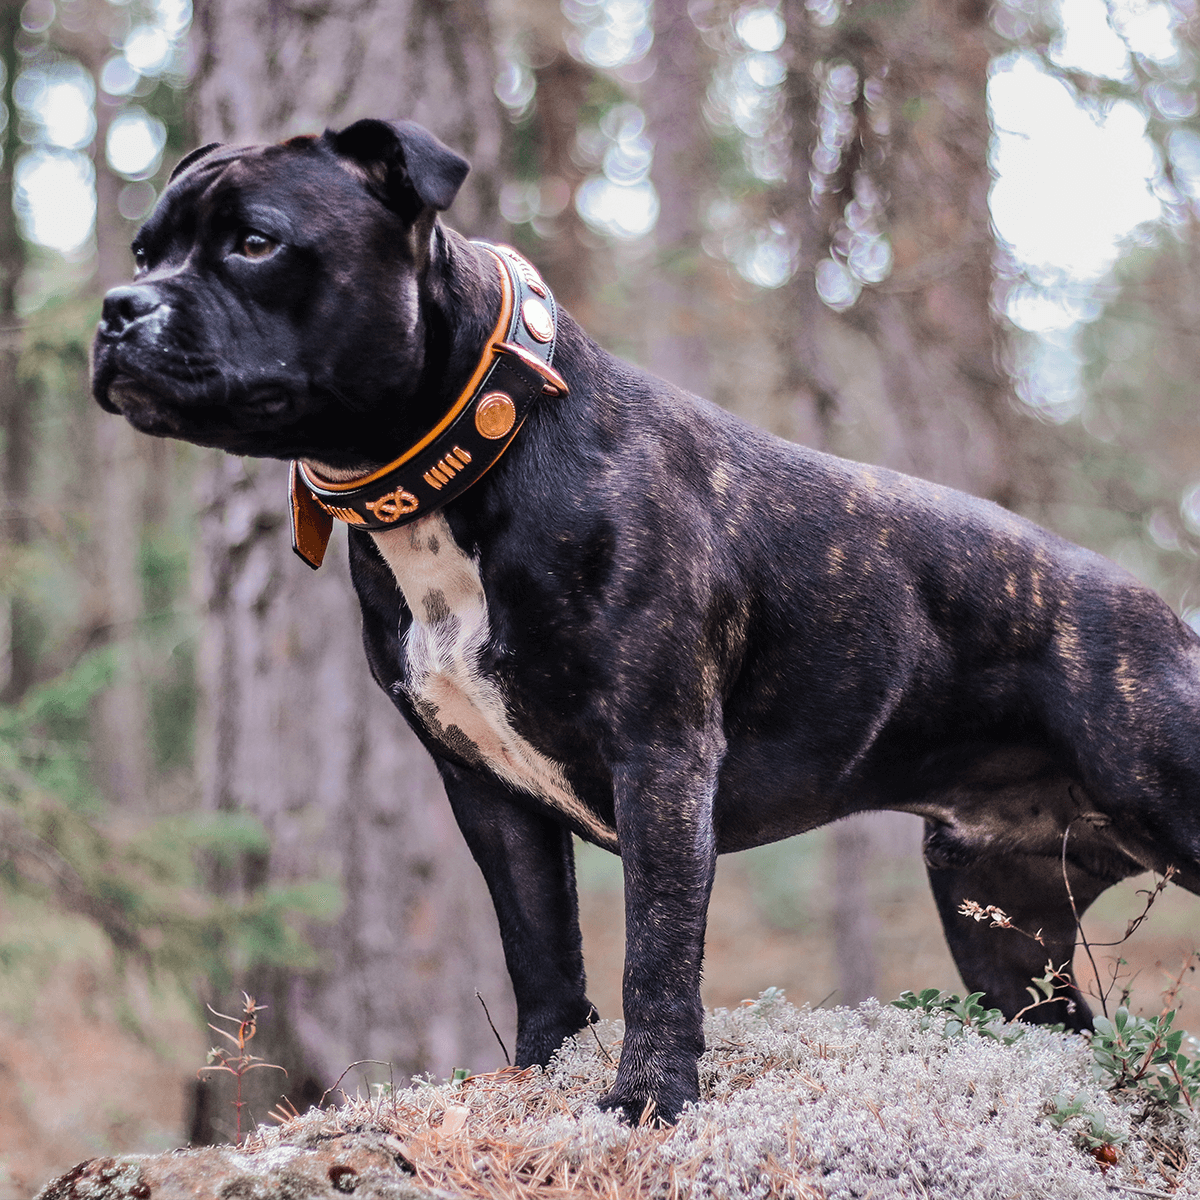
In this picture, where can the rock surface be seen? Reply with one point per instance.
(368, 1166)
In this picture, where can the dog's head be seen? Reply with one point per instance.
(277, 297)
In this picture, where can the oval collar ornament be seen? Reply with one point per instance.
(537, 320)
(495, 415)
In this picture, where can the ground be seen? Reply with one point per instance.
(830, 1104)
(90, 1066)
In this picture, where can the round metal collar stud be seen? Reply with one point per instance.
(495, 415)
(537, 320)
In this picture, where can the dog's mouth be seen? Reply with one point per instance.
(140, 405)
(198, 419)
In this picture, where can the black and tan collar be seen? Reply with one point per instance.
(513, 371)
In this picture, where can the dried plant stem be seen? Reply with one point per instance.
(1101, 991)
(999, 919)
(1170, 996)
(1151, 896)
(492, 1023)
(337, 1087)
(592, 1026)
(238, 1065)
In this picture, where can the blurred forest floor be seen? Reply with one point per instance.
(772, 913)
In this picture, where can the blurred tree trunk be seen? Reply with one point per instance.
(673, 99)
(270, 69)
(565, 250)
(123, 457)
(890, 132)
(292, 727)
(15, 396)
(854, 923)
(911, 374)
(119, 465)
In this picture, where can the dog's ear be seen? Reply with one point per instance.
(195, 156)
(406, 164)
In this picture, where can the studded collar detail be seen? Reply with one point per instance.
(513, 371)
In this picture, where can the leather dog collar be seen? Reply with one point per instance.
(513, 371)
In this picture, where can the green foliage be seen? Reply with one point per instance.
(597, 870)
(960, 1015)
(173, 709)
(1092, 1131)
(1138, 459)
(141, 886)
(1142, 1060)
(44, 743)
(169, 104)
(603, 92)
(137, 874)
(169, 640)
(768, 1000)
(44, 573)
(1043, 988)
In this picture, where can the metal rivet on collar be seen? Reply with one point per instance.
(495, 415)
(537, 319)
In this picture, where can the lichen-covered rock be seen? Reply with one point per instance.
(367, 1166)
(835, 1104)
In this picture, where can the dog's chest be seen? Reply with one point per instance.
(460, 705)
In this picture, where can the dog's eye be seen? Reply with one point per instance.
(139, 259)
(253, 244)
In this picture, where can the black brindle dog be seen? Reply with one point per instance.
(645, 622)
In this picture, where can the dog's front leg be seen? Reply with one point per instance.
(529, 864)
(664, 808)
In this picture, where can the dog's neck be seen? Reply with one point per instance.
(460, 298)
(477, 424)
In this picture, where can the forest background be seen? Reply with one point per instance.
(954, 237)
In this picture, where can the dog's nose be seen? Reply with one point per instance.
(125, 305)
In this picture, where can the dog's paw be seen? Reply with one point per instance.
(635, 1110)
(639, 1107)
(656, 1077)
(540, 1035)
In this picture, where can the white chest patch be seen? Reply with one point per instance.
(460, 706)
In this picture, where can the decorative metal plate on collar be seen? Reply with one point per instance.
(513, 371)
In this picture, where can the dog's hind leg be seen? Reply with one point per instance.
(1002, 963)
(529, 864)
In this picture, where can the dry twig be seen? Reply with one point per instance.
(238, 1065)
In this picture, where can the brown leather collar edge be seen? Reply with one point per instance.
(514, 370)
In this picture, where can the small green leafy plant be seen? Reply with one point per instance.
(1093, 1132)
(140, 883)
(1142, 1059)
(960, 1014)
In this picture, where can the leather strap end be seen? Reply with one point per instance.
(554, 384)
(311, 524)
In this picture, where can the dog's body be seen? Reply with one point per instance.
(653, 625)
